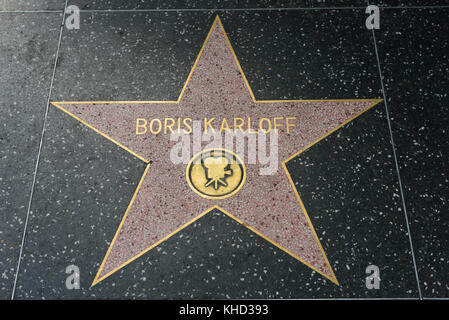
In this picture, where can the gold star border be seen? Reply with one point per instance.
(98, 279)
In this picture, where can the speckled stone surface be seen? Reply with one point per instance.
(15, 5)
(347, 182)
(27, 45)
(266, 203)
(414, 59)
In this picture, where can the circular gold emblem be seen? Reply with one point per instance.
(216, 173)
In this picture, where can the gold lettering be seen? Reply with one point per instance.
(276, 125)
(250, 130)
(138, 125)
(179, 124)
(169, 125)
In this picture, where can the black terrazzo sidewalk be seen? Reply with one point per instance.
(359, 193)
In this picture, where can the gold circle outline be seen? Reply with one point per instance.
(219, 197)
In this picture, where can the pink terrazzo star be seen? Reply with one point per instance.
(164, 203)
